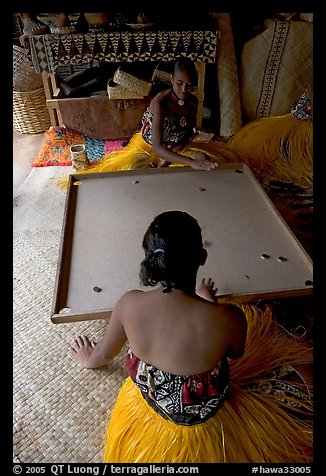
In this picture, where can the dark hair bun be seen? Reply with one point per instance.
(172, 245)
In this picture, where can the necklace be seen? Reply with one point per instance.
(180, 101)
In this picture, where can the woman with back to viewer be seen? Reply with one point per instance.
(180, 403)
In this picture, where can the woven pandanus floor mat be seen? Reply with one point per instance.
(60, 409)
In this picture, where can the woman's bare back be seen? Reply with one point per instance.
(181, 333)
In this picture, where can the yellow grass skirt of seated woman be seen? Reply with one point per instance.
(256, 423)
(276, 147)
(138, 154)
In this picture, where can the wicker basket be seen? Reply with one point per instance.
(24, 76)
(30, 113)
(116, 91)
(135, 85)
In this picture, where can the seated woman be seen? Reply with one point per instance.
(273, 147)
(208, 382)
(168, 127)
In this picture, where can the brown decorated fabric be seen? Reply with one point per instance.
(276, 68)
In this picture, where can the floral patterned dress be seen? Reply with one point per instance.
(176, 129)
(184, 399)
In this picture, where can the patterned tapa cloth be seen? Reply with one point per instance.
(50, 51)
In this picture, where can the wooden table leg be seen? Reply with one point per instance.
(201, 67)
(50, 87)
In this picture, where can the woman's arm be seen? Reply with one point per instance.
(235, 318)
(168, 154)
(92, 355)
(238, 331)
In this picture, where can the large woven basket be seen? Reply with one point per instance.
(30, 113)
(135, 85)
(24, 76)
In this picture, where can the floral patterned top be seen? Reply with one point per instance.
(302, 110)
(184, 399)
(176, 130)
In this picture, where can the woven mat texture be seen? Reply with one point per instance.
(60, 409)
(276, 68)
(227, 76)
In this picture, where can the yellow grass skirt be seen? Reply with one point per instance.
(275, 147)
(138, 154)
(252, 426)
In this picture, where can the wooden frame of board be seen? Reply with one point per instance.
(252, 253)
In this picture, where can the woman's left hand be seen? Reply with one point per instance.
(82, 349)
(203, 164)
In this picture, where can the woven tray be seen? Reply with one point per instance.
(116, 91)
(30, 113)
(135, 85)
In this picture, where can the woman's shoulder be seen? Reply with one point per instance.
(131, 294)
(193, 103)
(229, 309)
(128, 299)
(162, 101)
(232, 315)
(194, 98)
(161, 97)
(227, 315)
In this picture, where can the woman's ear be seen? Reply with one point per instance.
(203, 257)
